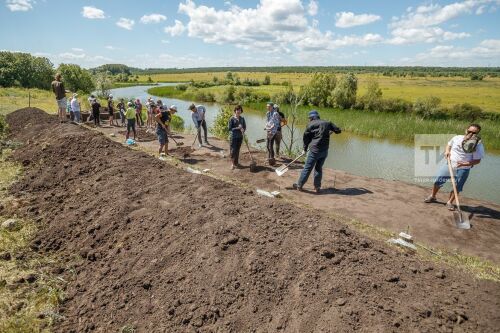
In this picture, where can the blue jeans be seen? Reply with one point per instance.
(78, 116)
(316, 161)
(443, 175)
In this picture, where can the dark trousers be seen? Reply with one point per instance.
(316, 161)
(97, 117)
(234, 149)
(71, 116)
(138, 117)
(202, 124)
(270, 143)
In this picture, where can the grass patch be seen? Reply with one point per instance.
(24, 306)
(12, 99)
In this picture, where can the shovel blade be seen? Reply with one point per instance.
(281, 170)
(461, 220)
(260, 140)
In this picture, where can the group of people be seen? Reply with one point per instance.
(462, 151)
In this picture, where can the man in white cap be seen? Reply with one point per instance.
(198, 116)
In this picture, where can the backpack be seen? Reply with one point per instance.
(469, 144)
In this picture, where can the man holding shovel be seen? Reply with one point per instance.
(273, 123)
(463, 151)
(198, 116)
(316, 142)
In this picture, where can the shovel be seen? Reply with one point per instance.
(461, 220)
(260, 141)
(177, 143)
(253, 164)
(284, 168)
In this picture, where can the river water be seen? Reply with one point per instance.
(359, 155)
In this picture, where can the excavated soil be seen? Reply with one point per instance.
(161, 250)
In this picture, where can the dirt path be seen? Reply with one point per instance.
(152, 248)
(392, 205)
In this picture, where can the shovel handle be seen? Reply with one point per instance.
(287, 165)
(248, 147)
(454, 184)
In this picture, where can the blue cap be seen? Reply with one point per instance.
(313, 114)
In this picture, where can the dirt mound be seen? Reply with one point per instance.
(162, 250)
(142, 134)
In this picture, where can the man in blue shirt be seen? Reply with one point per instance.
(316, 142)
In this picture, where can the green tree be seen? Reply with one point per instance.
(25, 70)
(267, 80)
(220, 127)
(76, 78)
(372, 99)
(319, 89)
(344, 94)
(103, 83)
(228, 95)
(229, 76)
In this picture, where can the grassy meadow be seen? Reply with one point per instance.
(451, 90)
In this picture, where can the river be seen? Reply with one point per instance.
(359, 155)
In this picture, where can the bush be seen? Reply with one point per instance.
(181, 87)
(395, 105)
(344, 94)
(267, 80)
(177, 123)
(318, 91)
(220, 127)
(204, 96)
(372, 99)
(466, 111)
(428, 108)
(228, 95)
(76, 78)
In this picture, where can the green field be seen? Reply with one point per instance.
(452, 90)
(394, 126)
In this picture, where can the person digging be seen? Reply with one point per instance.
(237, 127)
(463, 152)
(272, 124)
(162, 120)
(316, 142)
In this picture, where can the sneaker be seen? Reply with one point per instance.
(297, 187)
(430, 199)
(317, 190)
(232, 167)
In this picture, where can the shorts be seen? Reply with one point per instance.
(443, 175)
(162, 136)
(110, 111)
(130, 125)
(61, 103)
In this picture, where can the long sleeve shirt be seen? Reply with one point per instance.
(198, 115)
(75, 106)
(234, 129)
(273, 121)
(317, 135)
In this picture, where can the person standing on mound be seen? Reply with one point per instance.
(316, 143)
(60, 93)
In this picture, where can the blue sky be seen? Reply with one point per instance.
(202, 33)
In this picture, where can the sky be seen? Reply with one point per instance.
(208, 33)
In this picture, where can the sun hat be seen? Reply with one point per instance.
(130, 103)
(173, 108)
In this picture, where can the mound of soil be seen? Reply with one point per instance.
(170, 251)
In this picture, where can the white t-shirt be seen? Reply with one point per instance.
(459, 155)
(75, 106)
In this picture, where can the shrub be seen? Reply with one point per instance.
(372, 99)
(395, 105)
(344, 94)
(318, 91)
(228, 95)
(3, 125)
(177, 123)
(220, 127)
(181, 87)
(267, 80)
(428, 108)
(466, 111)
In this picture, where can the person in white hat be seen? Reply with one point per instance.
(76, 108)
(111, 111)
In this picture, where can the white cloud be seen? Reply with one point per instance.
(19, 5)
(273, 26)
(92, 13)
(153, 18)
(312, 8)
(349, 19)
(110, 47)
(125, 23)
(76, 49)
(421, 24)
(485, 52)
(175, 30)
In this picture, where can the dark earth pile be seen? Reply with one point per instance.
(163, 250)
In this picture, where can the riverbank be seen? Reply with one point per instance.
(180, 251)
(395, 126)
